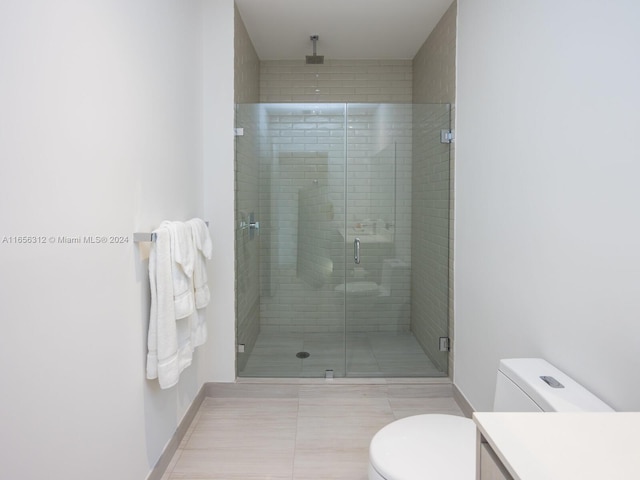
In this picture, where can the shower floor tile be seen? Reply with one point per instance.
(367, 354)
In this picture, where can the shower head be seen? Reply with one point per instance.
(314, 59)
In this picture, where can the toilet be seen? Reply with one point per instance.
(443, 447)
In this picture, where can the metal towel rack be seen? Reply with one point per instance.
(148, 236)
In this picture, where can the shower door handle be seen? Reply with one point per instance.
(356, 250)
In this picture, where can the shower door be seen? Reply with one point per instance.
(342, 218)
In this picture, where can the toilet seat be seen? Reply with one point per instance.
(430, 446)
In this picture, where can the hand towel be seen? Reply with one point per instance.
(203, 247)
(183, 261)
(162, 342)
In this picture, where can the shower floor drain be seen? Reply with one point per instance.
(303, 354)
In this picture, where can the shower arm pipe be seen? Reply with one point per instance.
(139, 237)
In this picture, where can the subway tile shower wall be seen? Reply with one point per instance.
(430, 246)
(434, 80)
(303, 205)
(246, 65)
(354, 81)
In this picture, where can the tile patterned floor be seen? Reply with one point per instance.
(368, 354)
(297, 431)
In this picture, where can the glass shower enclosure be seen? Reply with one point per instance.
(341, 239)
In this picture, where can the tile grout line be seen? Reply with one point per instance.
(295, 438)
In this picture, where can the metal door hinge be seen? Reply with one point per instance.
(447, 136)
(444, 344)
(241, 348)
(238, 132)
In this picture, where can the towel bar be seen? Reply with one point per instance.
(144, 237)
(148, 236)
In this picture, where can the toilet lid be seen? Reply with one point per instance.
(425, 446)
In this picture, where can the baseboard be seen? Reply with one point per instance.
(462, 402)
(172, 446)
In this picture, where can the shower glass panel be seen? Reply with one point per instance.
(290, 173)
(342, 240)
(394, 157)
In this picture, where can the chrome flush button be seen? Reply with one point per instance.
(552, 382)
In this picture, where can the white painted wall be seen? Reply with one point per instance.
(547, 209)
(219, 184)
(101, 133)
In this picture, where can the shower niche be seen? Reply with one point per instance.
(336, 189)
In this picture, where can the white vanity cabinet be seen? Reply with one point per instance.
(558, 446)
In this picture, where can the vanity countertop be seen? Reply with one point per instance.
(567, 446)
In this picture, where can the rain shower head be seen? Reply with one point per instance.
(314, 59)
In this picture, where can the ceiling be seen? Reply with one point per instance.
(348, 29)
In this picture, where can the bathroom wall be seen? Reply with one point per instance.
(547, 229)
(100, 135)
(434, 68)
(218, 184)
(247, 94)
(353, 81)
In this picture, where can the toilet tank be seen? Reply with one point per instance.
(534, 385)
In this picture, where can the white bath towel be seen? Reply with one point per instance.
(162, 358)
(177, 263)
(203, 248)
(183, 256)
